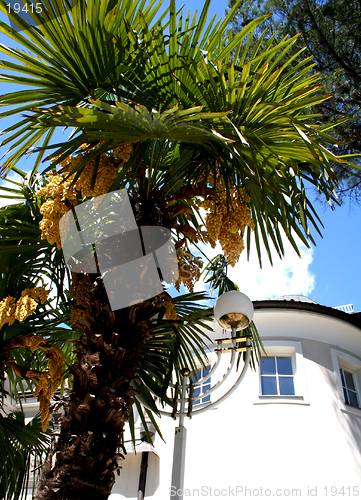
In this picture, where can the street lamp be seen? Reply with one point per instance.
(233, 311)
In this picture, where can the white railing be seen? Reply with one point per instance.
(348, 308)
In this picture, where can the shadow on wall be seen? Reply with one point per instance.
(128, 482)
(351, 424)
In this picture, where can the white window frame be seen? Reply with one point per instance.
(351, 364)
(202, 403)
(277, 375)
(346, 388)
(292, 349)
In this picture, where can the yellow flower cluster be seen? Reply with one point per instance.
(37, 293)
(55, 366)
(7, 311)
(48, 381)
(42, 392)
(21, 309)
(35, 342)
(62, 194)
(53, 209)
(226, 219)
(24, 307)
(170, 312)
(189, 268)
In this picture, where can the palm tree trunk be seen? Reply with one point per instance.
(108, 357)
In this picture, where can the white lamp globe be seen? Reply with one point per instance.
(233, 310)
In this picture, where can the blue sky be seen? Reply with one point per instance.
(329, 273)
(336, 258)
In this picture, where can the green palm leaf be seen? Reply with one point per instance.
(123, 124)
(174, 344)
(19, 443)
(26, 262)
(265, 144)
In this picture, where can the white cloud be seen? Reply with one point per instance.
(6, 183)
(288, 276)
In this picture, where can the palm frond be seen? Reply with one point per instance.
(128, 79)
(22, 447)
(123, 124)
(218, 279)
(67, 60)
(26, 262)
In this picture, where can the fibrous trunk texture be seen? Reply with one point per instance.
(108, 357)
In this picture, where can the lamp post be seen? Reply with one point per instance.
(233, 311)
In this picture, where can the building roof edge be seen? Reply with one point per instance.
(354, 319)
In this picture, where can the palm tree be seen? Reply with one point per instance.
(28, 260)
(183, 117)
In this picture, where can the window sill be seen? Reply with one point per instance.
(299, 400)
(351, 410)
(200, 405)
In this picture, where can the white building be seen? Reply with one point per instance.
(291, 429)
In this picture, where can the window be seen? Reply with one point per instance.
(277, 376)
(281, 375)
(204, 386)
(347, 369)
(349, 388)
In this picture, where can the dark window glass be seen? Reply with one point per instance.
(277, 376)
(349, 381)
(206, 385)
(349, 389)
(268, 366)
(287, 387)
(352, 398)
(284, 366)
(269, 386)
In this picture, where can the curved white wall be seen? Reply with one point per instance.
(291, 447)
